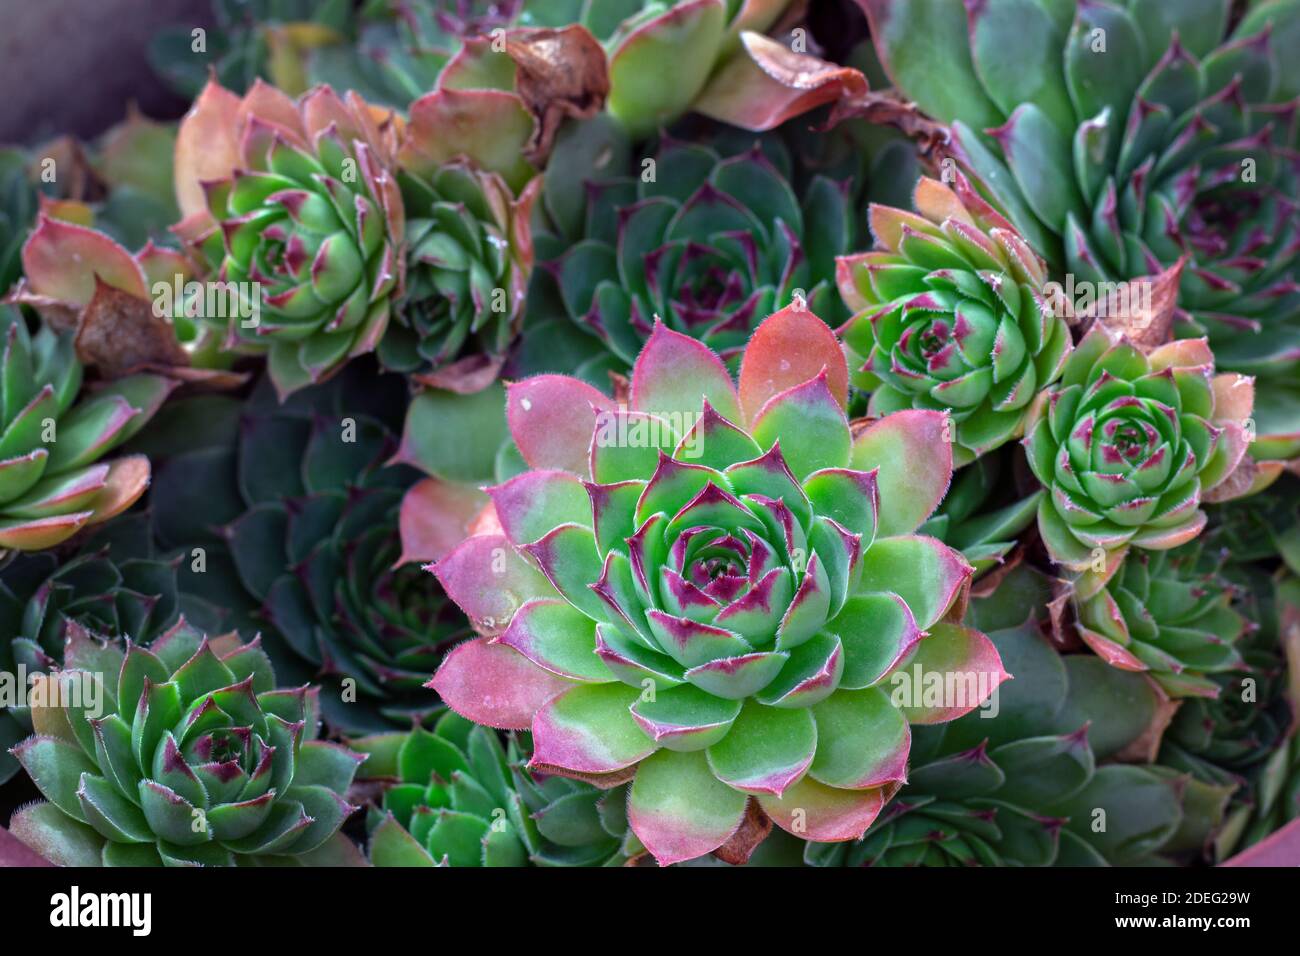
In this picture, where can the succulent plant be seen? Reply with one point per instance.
(267, 39)
(1023, 785)
(716, 606)
(115, 585)
(52, 481)
(402, 46)
(950, 315)
(188, 754)
(299, 519)
(1241, 735)
(1262, 526)
(296, 210)
(1137, 133)
(470, 254)
(1127, 443)
(459, 797)
(710, 239)
(1168, 613)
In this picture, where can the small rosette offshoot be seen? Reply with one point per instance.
(707, 591)
(457, 796)
(1127, 445)
(951, 315)
(192, 757)
(1169, 613)
(469, 257)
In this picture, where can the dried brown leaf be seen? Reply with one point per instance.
(560, 74)
(118, 332)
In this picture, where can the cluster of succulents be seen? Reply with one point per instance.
(670, 433)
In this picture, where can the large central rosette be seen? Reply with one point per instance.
(709, 590)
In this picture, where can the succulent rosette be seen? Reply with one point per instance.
(1020, 788)
(1241, 736)
(295, 206)
(469, 257)
(457, 796)
(1127, 444)
(1168, 613)
(1134, 135)
(52, 480)
(114, 585)
(193, 757)
(310, 545)
(711, 244)
(708, 591)
(950, 314)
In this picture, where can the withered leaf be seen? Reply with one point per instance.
(119, 332)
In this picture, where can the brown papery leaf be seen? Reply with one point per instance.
(465, 376)
(1148, 308)
(602, 781)
(560, 74)
(754, 829)
(886, 108)
(119, 332)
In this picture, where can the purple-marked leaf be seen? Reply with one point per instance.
(617, 589)
(770, 477)
(816, 812)
(675, 374)
(809, 423)
(862, 740)
(715, 442)
(812, 673)
(766, 750)
(757, 613)
(679, 810)
(613, 512)
(787, 349)
(568, 558)
(691, 643)
(590, 729)
(673, 485)
(878, 632)
(913, 452)
(534, 503)
(685, 717)
(554, 635)
(809, 608)
(851, 498)
(495, 685)
(924, 572)
(552, 419)
(489, 581)
(954, 670)
(626, 444)
(736, 678)
(633, 663)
